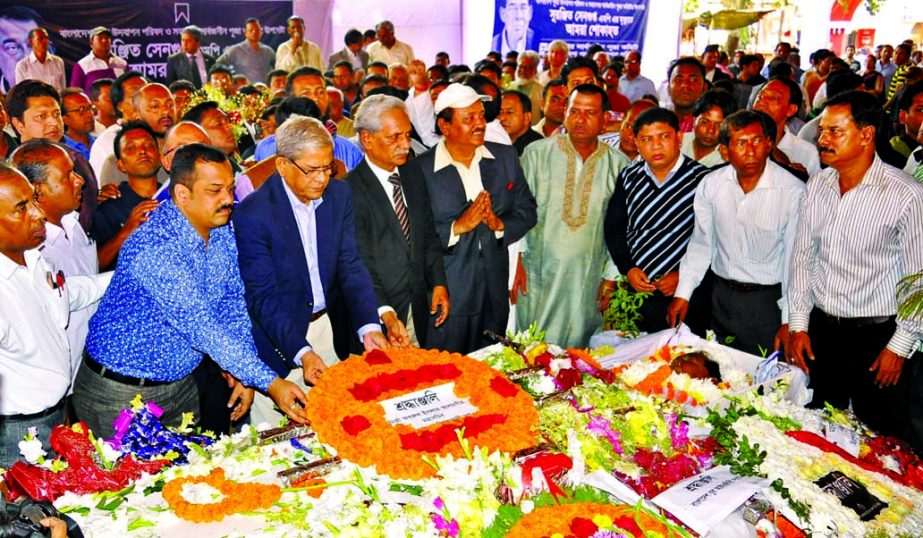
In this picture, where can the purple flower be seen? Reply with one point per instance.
(602, 428)
(439, 504)
(608, 534)
(679, 432)
(446, 528)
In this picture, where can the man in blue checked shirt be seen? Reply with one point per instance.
(176, 296)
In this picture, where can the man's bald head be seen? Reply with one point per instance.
(184, 132)
(155, 106)
(22, 223)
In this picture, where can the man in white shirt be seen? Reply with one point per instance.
(388, 49)
(40, 64)
(102, 154)
(780, 98)
(35, 356)
(745, 220)
(861, 232)
(298, 52)
(67, 248)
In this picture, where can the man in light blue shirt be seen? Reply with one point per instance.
(250, 58)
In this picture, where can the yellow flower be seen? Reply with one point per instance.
(602, 521)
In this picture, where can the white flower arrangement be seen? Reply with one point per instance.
(798, 465)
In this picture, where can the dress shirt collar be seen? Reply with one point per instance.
(381, 174)
(179, 226)
(53, 232)
(8, 267)
(873, 176)
(296, 203)
(443, 158)
(650, 173)
(767, 179)
(32, 58)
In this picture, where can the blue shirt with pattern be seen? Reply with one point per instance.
(343, 149)
(174, 298)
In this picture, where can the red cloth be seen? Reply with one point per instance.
(618, 102)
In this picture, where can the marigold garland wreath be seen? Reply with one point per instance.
(346, 415)
(577, 519)
(238, 497)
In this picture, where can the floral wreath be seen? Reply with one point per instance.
(584, 520)
(346, 415)
(238, 497)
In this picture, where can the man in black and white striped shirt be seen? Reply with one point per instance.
(861, 231)
(650, 219)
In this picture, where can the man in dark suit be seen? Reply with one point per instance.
(352, 53)
(190, 63)
(394, 226)
(481, 204)
(516, 34)
(298, 254)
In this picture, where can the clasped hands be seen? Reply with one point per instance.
(480, 210)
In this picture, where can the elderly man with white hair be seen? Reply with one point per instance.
(394, 226)
(291, 276)
(526, 70)
(558, 52)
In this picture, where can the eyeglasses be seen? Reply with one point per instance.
(327, 171)
(89, 109)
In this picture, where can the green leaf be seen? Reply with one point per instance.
(140, 524)
(198, 450)
(110, 505)
(407, 488)
(82, 510)
(154, 488)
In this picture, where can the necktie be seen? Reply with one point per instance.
(194, 67)
(397, 195)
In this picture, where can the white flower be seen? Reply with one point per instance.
(32, 450)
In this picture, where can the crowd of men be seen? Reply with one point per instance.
(382, 202)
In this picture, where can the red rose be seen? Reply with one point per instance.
(583, 527)
(377, 356)
(355, 424)
(628, 523)
(569, 378)
(504, 387)
(544, 359)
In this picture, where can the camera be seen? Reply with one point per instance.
(22, 520)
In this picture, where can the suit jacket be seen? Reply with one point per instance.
(179, 68)
(479, 260)
(497, 41)
(343, 55)
(403, 274)
(275, 270)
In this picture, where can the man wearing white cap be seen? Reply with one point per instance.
(481, 204)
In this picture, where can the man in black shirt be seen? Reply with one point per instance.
(516, 119)
(138, 157)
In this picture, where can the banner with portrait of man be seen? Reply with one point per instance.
(532, 24)
(144, 33)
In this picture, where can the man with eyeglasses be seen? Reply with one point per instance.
(632, 84)
(746, 215)
(79, 122)
(35, 112)
(289, 289)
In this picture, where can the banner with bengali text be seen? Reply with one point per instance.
(619, 26)
(144, 32)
